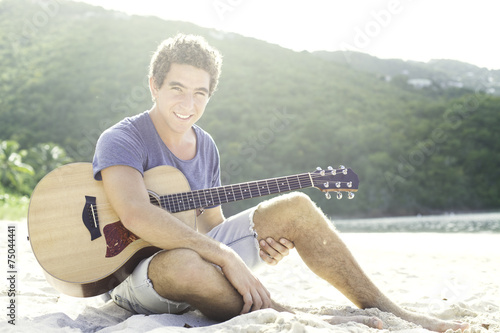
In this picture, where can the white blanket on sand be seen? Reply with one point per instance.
(453, 276)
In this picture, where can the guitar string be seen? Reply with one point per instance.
(255, 190)
(106, 207)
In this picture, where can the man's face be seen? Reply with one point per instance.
(182, 98)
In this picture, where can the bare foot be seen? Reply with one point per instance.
(432, 323)
(368, 321)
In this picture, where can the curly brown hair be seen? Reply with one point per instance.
(186, 49)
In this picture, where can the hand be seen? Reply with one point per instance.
(255, 295)
(272, 251)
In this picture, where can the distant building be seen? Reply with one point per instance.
(419, 83)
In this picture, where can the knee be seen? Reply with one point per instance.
(299, 201)
(292, 206)
(290, 214)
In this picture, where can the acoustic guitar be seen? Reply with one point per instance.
(84, 249)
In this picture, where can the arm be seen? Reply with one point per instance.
(127, 193)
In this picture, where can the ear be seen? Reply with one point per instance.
(152, 88)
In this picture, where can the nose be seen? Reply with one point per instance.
(187, 102)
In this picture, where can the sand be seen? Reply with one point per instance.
(453, 276)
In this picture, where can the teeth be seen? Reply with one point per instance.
(182, 116)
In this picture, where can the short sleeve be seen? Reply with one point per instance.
(118, 147)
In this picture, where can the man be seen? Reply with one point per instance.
(210, 268)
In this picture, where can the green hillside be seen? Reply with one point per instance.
(70, 70)
(442, 73)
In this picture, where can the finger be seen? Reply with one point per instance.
(267, 258)
(278, 247)
(290, 245)
(266, 298)
(247, 303)
(257, 301)
(267, 248)
(262, 300)
(269, 245)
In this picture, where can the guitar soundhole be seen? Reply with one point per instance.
(117, 238)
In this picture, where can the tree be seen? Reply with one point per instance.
(14, 174)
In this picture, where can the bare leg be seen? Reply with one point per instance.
(181, 275)
(191, 279)
(298, 219)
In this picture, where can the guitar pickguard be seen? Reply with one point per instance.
(117, 238)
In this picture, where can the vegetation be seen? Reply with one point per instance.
(20, 171)
(69, 70)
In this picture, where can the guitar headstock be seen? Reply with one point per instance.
(337, 180)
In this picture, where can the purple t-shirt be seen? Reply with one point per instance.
(135, 142)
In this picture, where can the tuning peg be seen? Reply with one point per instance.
(350, 195)
(326, 185)
(328, 195)
(321, 171)
(332, 170)
(337, 184)
(349, 184)
(339, 195)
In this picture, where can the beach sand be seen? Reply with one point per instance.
(453, 276)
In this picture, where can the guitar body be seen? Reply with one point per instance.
(76, 236)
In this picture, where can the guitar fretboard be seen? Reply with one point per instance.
(179, 202)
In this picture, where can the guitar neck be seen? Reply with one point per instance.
(179, 202)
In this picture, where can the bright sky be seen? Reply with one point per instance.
(465, 30)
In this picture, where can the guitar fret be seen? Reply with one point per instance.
(191, 203)
(208, 202)
(172, 203)
(175, 207)
(245, 192)
(218, 196)
(199, 199)
(203, 198)
(266, 186)
(283, 184)
(254, 186)
(234, 193)
(178, 197)
(225, 193)
(213, 194)
(298, 183)
(182, 201)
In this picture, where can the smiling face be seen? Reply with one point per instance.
(181, 100)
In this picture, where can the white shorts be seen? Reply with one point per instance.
(136, 292)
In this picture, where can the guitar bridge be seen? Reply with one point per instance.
(90, 218)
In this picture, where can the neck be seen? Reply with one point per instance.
(181, 144)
